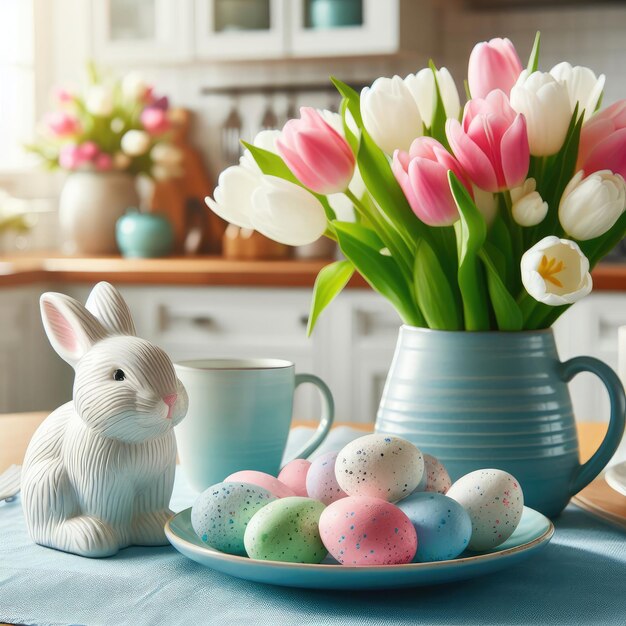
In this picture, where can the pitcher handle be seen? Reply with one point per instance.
(587, 472)
(326, 418)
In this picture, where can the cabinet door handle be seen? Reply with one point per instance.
(202, 321)
(304, 320)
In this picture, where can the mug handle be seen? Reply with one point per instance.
(326, 419)
(584, 474)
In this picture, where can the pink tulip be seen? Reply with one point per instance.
(492, 143)
(155, 121)
(62, 124)
(423, 175)
(70, 157)
(88, 150)
(317, 154)
(493, 65)
(603, 141)
(63, 96)
(103, 162)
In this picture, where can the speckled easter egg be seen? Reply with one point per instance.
(294, 476)
(494, 500)
(442, 525)
(321, 482)
(221, 513)
(435, 477)
(261, 479)
(379, 466)
(286, 530)
(360, 530)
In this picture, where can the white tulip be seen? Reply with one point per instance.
(582, 86)
(266, 139)
(390, 114)
(135, 142)
(287, 213)
(166, 154)
(544, 101)
(528, 207)
(590, 206)
(134, 87)
(232, 198)
(335, 121)
(555, 272)
(422, 88)
(485, 202)
(99, 100)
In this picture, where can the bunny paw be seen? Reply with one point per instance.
(148, 528)
(87, 536)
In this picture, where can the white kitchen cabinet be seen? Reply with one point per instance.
(138, 31)
(239, 29)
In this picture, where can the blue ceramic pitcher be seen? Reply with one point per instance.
(495, 399)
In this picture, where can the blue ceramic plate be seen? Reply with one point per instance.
(533, 533)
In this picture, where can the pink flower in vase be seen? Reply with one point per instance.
(155, 121)
(63, 96)
(493, 64)
(316, 153)
(103, 162)
(162, 103)
(62, 124)
(491, 144)
(603, 141)
(423, 176)
(88, 150)
(70, 157)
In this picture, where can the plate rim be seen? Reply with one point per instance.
(613, 479)
(545, 537)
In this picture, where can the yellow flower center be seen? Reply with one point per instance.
(548, 268)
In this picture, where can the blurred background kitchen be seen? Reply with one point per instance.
(231, 68)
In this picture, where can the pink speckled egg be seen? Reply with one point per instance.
(435, 477)
(294, 476)
(361, 530)
(261, 479)
(321, 482)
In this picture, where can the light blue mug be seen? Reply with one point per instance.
(239, 416)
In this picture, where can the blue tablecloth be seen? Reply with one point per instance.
(580, 578)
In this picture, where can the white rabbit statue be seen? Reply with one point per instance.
(99, 471)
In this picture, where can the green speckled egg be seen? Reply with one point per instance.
(286, 530)
(221, 513)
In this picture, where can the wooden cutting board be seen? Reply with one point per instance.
(601, 500)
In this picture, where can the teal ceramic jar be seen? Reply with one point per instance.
(497, 400)
(144, 235)
(335, 13)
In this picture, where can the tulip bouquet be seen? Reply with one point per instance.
(482, 218)
(113, 126)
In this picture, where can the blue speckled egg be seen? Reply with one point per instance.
(287, 530)
(221, 514)
(442, 525)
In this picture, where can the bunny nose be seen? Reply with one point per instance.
(170, 400)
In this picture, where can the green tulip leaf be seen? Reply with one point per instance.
(352, 97)
(351, 138)
(365, 235)
(533, 61)
(381, 272)
(328, 285)
(271, 164)
(500, 236)
(471, 234)
(433, 292)
(508, 313)
(438, 125)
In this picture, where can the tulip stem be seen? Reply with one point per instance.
(399, 250)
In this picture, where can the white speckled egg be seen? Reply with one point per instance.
(221, 513)
(286, 530)
(321, 482)
(435, 477)
(494, 500)
(379, 466)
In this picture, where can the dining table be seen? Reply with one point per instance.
(579, 578)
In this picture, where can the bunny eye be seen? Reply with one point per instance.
(119, 375)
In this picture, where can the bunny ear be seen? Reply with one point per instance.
(107, 304)
(71, 329)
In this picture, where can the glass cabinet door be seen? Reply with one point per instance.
(350, 27)
(142, 30)
(240, 29)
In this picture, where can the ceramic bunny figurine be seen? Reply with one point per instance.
(98, 473)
